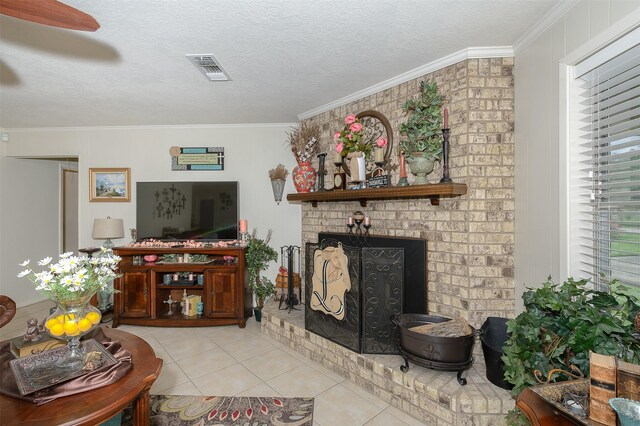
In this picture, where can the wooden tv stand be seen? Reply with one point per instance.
(141, 290)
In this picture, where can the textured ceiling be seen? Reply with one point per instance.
(284, 56)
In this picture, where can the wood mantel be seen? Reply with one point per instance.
(431, 191)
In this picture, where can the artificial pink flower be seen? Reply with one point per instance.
(381, 142)
(355, 127)
(336, 136)
(351, 118)
(349, 136)
(339, 147)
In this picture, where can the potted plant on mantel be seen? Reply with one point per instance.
(259, 255)
(422, 144)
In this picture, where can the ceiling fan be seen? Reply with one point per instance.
(49, 12)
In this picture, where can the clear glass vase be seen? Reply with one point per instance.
(72, 319)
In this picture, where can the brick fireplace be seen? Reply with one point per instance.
(470, 238)
(470, 243)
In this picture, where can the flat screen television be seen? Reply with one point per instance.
(187, 210)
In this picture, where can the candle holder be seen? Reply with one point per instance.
(244, 237)
(403, 171)
(356, 221)
(321, 171)
(445, 157)
(358, 230)
(379, 170)
(366, 229)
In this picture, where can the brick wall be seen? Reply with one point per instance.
(470, 238)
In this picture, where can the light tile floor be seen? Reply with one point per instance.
(229, 361)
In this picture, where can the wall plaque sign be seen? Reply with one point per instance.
(196, 158)
(378, 182)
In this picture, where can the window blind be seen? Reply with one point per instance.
(610, 166)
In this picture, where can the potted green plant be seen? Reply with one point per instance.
(562, 323)
(259, 255)
(422, 144)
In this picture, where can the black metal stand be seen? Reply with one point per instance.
(358, 225)
(445, 157)
(460, 367)
(321, 171)
(290, 253)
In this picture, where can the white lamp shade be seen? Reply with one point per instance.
(105, 229)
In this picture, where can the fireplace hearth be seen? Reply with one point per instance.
(388, 277)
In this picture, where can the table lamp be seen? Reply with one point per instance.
(105, 229)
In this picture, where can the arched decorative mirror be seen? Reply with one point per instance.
(375, 126)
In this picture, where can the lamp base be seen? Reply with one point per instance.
(108, 244)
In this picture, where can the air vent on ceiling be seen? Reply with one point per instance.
(209, 66)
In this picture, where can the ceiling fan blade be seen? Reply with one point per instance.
(49, 12)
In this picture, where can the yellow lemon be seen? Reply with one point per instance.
(57, 329)
(94, 317)
(50, 323)
(70, 328)
(84, 324)
(64, 318)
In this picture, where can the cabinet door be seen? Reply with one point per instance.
(221, 294)
(135, 294)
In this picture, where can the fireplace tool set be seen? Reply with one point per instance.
(289, 278)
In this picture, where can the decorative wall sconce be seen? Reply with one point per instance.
(278, 189)
(278, 178)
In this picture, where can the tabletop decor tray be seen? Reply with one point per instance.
(37, 372)
(562, 396)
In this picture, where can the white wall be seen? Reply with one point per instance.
(30, 221)
(541, 213)
(250, 151)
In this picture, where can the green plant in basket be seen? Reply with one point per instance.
(562, 323)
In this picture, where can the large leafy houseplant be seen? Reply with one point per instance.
(562, 323)
(423, 128)
(259, 255)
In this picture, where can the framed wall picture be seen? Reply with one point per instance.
(110, 185)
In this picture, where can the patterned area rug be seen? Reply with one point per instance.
(179, 410)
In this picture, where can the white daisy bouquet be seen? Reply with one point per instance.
(73, 277)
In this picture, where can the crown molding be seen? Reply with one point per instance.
(544, 24)
(454, 58)
(149, 127)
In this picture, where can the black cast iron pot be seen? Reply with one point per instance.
(441, 349)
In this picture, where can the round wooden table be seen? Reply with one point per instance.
(98, 405)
